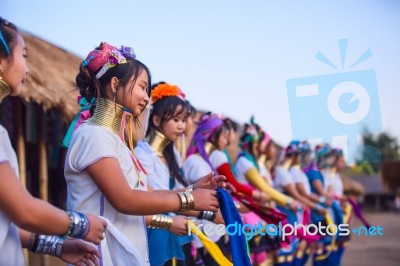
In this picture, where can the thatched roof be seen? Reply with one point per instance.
(51, 77)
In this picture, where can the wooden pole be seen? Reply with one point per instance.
(43, 170)
(43, 174)
(21, 151)
(20, 143)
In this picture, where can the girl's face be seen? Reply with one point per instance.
(136, 98)
(15, 70)
(232, 136)
(223, 139)
(271, 150)
(262, 147)
(306, 159)
(340, 163)
(174, 127)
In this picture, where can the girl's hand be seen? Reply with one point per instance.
(179, 225)
(261, 197)
(77, 252)
(211, 182)
(218, 218)
(97, 229)
(205, 200)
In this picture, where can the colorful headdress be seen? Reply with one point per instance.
(252, 134)
(105, 57)
(293, 148)
(266, 139)
(304, 147)
(322, 152)
(166, 90)
(207, 125)
(337, 152)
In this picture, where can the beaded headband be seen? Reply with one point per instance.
(105, 57)
(166, 90)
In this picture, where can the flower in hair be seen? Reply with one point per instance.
(128, 52)
(166, 90)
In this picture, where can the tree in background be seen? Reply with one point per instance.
(377, 149)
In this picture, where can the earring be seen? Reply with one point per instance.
(115, 93)
(1, 73)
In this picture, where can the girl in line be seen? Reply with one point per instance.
(163, 164)
(103, 174)
(17, 207)
(223, 135)
(206, 154)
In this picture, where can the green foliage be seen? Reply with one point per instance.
(377, 149)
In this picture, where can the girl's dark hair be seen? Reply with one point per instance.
(89, 86)
(232, 125)
(192, 109)
(248, 145)
(168, 108)
(10, 33)
(217, 133)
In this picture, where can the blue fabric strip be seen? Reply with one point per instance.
(231, 216)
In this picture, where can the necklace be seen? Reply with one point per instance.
(209, 148)
(116, 118)
(158, 143)
(262, 159)
(4, 90)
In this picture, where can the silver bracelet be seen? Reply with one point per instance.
(80, 225)
(189, 188)
(322, 199)
(208, 215)
(49, 245)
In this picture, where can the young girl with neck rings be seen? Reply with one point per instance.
(210, 134)
(248, 170)
(163, 164)
(17, 207)
(103, 174)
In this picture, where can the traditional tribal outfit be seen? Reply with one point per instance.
(327, 255)
(203, 157)
(248, 171)
(159, 178)
(98, 138)
(196, 166)
(103, 136)
(10, 244)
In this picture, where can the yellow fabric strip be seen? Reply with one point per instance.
(209, 245)
(347, 212)
(260, 183)
(329, 221)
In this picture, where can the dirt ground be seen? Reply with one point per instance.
(363, 250)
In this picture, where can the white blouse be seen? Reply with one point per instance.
(195, 168)
(10, 244)
(242, 166)
(300, 177)
(89, 144)
(158, 174)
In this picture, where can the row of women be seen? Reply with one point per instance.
(154, 201)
